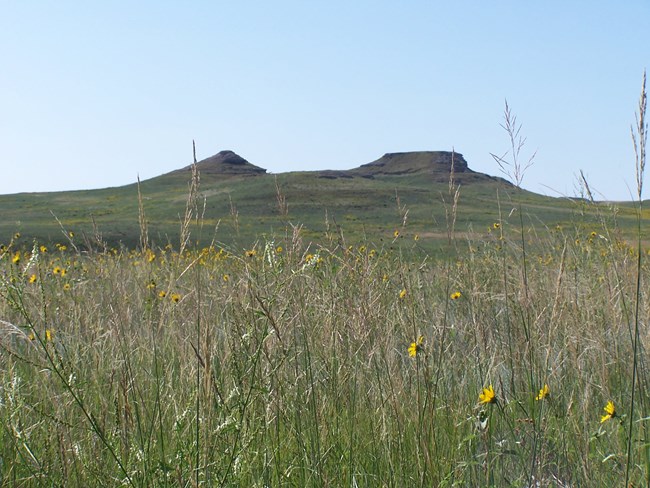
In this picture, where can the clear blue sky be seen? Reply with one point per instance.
(94, 93)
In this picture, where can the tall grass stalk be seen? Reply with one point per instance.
(639, 137)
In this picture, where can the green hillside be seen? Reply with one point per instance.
(240, 203)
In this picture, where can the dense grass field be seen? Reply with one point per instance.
(514, 355)
(343, 364)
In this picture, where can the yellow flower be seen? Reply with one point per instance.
(543, 393)
(61, 247)
(416, 347)
(63, 272)
(487, 395)
(57, 270)
(226, 277)
(496, 225)
(31, 336)
(48, 334)
(175, 297)
(32, 278)
(71, 234)
(67, 286)
(610, 412)
(278, 250)
(251, 253)
(16, 258)
(43, 249)
(151, 285)
(416, 237)
(402, 294)
(396, 234)
(17, 235)
(455, 295)
(162, 293)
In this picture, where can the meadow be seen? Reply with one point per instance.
(341, 365)
(515, 358)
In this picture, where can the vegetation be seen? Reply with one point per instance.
(238, 210)
(288, 365)
(517, 358)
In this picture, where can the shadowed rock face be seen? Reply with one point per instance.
(430, 162)
(226, 163)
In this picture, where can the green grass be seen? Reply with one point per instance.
(294, 370)
(390, 332)
(362, 208)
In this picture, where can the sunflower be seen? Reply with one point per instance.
(610, 412)
(487, 395)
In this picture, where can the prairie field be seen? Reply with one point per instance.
(342, 364)
(514, 356)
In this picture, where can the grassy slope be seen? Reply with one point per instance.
(362, 207)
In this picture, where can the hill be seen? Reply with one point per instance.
(240, 203)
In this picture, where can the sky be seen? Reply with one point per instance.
(95, 94)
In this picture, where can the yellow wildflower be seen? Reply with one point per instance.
(175, 297)
(396, 234)
(415, 347)
(402, 294)
(455, 295)
(67, 286)
(48, 334)
(16, 258)
(32, 278)
(496, 225)
(226, 278)
(57, 270)
(251, 253)
(543, 392)
(43, 249)
(610, 412)
(487, 395)
(162, 293)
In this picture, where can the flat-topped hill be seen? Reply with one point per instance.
(414, 162)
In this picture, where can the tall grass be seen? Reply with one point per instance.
(344, 364)
(300, 375)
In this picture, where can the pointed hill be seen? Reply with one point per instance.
(225, 163)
